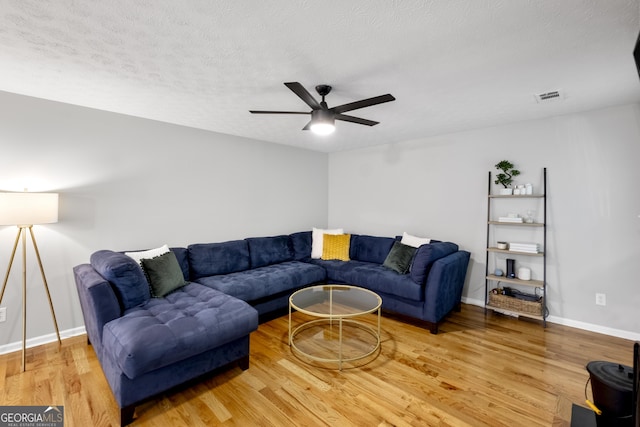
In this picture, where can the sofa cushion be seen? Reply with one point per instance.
(125, 276)
(416, 242)
(372, 276)
(182, 255)
(266, 281)
(317, 238)
(337, 271)
(185, 323)
(425, 256)
(301, 245)
(269, 250)
(336, 246)
(208, 259)
(370, 248)
(146, 254)
(399, 258)
(163, 273)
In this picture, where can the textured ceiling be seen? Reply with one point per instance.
(452, 64)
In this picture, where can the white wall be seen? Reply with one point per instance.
(129, 183)
(436, 187)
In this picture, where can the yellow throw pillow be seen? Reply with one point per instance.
(336, 246)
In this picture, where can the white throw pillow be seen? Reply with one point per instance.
(151, 253)
(317, 238)
(416, 242)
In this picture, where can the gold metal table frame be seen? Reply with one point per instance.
(328, 295)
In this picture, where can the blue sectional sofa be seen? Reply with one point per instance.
(147, 345)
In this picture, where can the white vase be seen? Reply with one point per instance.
(506, 191)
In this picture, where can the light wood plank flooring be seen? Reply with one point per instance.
(480, 370)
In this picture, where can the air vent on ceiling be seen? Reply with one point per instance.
(554, 95)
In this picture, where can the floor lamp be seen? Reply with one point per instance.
(24, 210)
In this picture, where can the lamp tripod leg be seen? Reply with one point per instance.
(24, 299)
(24, 287)
(13, 254)
(46, 286)
(22, 232)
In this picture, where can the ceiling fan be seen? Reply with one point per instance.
(323, 117)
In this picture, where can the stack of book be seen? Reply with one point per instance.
(510, 219)
(531, 248)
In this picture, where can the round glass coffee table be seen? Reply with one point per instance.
(334, 334)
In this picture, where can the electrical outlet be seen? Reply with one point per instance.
(601, 299)
(3, 314)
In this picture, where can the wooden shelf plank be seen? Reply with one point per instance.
(507, 251)
(532, 283)
(526, 224)
(511, 196)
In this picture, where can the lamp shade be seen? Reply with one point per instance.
(28, 208)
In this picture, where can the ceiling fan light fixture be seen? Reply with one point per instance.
(322, 122)
(322, 117)
(323, 128)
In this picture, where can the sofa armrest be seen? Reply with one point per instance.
(443, 289)
(98, 302)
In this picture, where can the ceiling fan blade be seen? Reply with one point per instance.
(299, 90)
(363, 103)
(308, 126)
(276, 112)
(357, 120)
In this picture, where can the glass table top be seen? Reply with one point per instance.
(335, 301)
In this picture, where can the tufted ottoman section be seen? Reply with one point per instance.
(184, 323)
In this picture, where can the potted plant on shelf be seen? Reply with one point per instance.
(506, 176)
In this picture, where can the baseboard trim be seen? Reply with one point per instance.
(633, 336)
(44, 339)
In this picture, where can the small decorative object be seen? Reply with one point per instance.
(529, 217)
(511, 268)
(528, 189)
(511, 217)
(524, 273)
(506, 176)
(530, 248)
(503, 245)
(498, 272)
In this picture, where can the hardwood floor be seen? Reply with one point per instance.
(479, 370)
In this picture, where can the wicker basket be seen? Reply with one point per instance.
(515, 304)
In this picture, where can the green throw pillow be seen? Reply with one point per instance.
(399, 258)
(164, 274)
